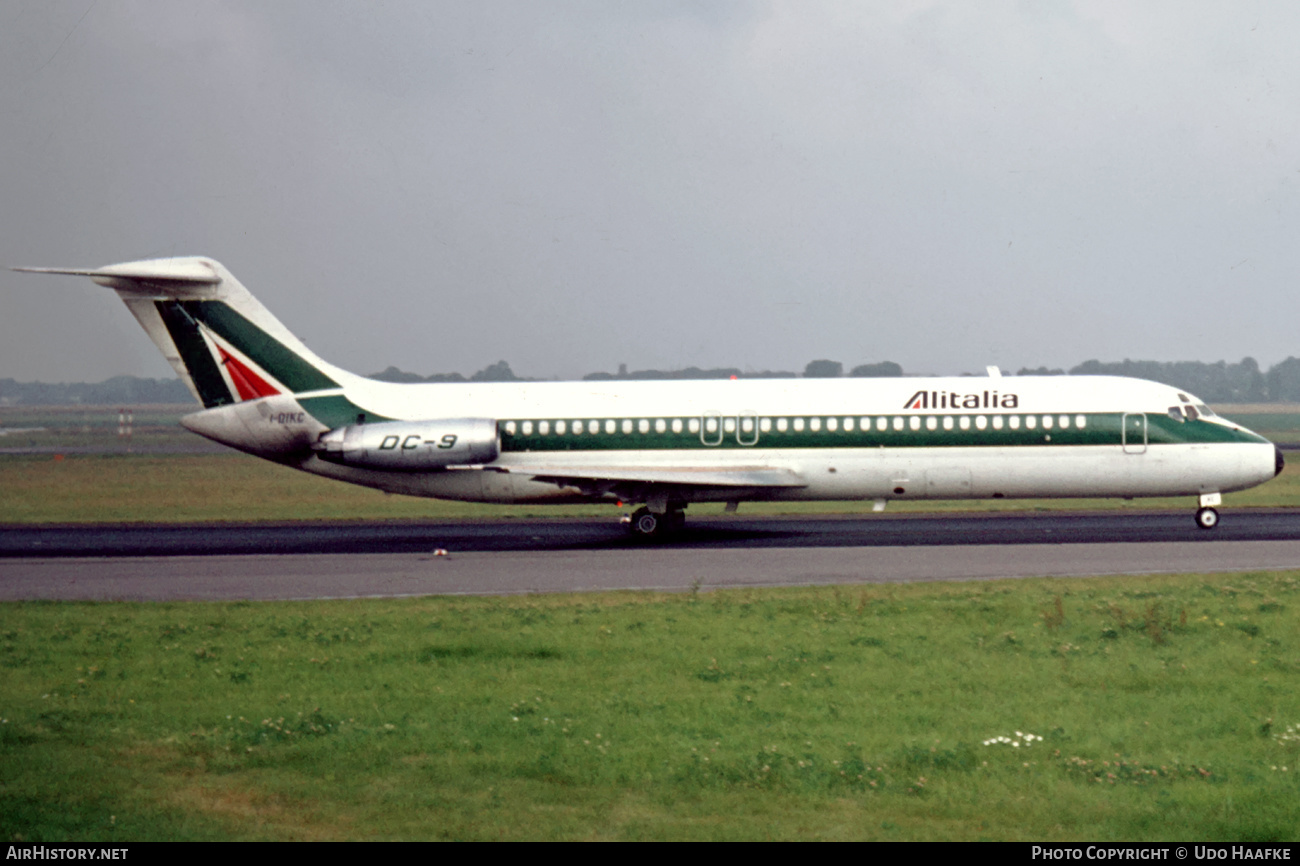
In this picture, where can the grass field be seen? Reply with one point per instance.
(1167, 709)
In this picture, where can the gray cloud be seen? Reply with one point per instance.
(574, 185)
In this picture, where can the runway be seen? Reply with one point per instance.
(227, 562)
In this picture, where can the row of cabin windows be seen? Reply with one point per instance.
(798, 425)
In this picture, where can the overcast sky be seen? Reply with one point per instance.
(573, 185)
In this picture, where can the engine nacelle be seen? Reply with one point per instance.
(412, 446)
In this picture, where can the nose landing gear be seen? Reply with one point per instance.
(1207, 516)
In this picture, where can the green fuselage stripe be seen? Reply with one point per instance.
(336, 411)
(1098, 429)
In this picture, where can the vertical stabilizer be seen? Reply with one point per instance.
(221, 341)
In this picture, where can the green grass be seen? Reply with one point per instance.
(835, 713)
(235, 487)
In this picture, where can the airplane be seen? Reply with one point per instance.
(666, 444)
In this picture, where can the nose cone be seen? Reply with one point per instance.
(1279, 462)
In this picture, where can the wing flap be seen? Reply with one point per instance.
(685, 476)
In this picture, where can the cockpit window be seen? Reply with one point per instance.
(1191, 413)
(1184, 398)
(1176, 413)
(1205, 410)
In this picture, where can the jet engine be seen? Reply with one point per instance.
(412, 446)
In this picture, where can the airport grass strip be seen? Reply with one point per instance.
(1152, 708)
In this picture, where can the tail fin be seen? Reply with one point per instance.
(220, 340)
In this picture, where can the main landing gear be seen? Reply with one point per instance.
(1207, 516)
(646, 524)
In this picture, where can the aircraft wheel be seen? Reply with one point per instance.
(1207, 518)
(645, 523)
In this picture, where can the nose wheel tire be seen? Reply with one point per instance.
(1207, 518)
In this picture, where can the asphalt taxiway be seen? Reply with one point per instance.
(258, 561)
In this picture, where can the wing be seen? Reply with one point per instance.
(640, 483)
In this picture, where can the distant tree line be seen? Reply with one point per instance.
(498, 372)
(127, 390)
(1219, 382)
(821, 369)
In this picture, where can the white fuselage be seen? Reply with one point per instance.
(905, 438)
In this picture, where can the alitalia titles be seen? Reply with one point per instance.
(953, 400)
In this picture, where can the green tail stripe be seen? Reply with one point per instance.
(267, 352)
(338, 411)
(194, 352)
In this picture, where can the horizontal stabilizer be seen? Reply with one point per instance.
(156, 276)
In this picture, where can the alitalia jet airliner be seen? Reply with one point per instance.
(664, 445)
